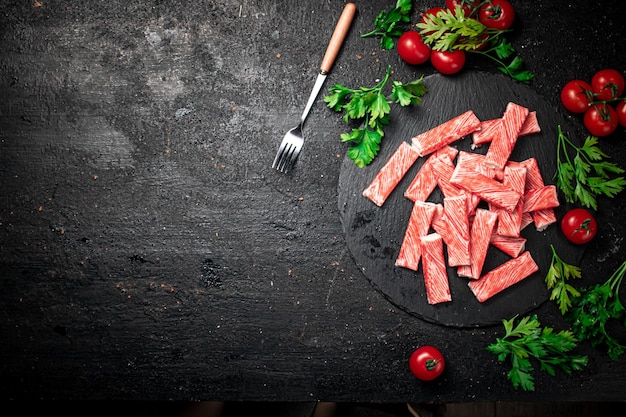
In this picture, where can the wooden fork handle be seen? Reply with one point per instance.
(339, 35)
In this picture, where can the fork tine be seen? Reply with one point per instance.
(286, 162)
(279, 155)
(289, 149)
(289, 157)
(283, 158)
(294, 155)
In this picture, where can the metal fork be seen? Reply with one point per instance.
(291, 144)
(289, 148)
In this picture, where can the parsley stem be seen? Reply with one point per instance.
(562, 148)
(562, 143)
(616, 280)
(372, 33)
(382, 83)
(502, 65)
(556, 258)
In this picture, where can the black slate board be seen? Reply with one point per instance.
(374, 234)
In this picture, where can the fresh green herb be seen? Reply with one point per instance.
(391, 24)
(527, 339)
(592, 311)
(589, 310)
(588, 174)
(370, 106)
(501, 53)
(556, 278)
(450, 30)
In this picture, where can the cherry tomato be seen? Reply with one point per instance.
(579, 226)
(432, 12)
(497, 14)
(468, 6)
(576, 96)
(600, 119)
(448, 62)
(427, 363)
(607, 84)
(621, 112)
(412, 49)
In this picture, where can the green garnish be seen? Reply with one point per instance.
(451, 30)
(592, 311)
(501, 54)
(370, 106)
(588, 174)
(391, 24)
(556, 278)
(527, 339)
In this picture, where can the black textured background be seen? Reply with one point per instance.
(149, 251)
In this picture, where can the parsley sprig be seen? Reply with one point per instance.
(556, 281)
(450, 30)
(501, 54)
(592, 311)
(371, 106)
(586, 175)
(526, 339)
(391, 24)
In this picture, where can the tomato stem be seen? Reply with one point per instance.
(431, 364)
(583, 226)
(611, 100)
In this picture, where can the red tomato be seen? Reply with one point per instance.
(607, 84)
(600, 119)
(497, 14)
(468, 6)
(412, 49)
(427, 363)
(576, 96)
(621, 112)
(432, 12)
(579, 226)
(448, 62)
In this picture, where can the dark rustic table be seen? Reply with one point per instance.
(149, 251)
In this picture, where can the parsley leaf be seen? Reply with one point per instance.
(525, 340)
(365, 144)
(391, 23)
(558, 273)
(586, 175)
(451, 29)
(592, 311)
(409, 93)
(371, 107)
(503, 50)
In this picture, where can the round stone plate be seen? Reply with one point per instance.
(374, 234)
